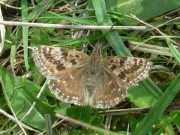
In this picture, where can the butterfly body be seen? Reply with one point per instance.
(92, 72)
(77, 78)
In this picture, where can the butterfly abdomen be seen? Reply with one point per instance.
(91, 81)
(91, 84)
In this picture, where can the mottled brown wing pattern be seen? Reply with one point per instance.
(130, 69)
(69, 87)
(72, 88)
(52, 61)
(111, 91)
(120, 74)
(99, 82)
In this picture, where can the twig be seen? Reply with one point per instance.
(34, 103)
(172, 106)
(153, 27)
(150, 48)
(13, 119)
(48, 124)
(9, 6)
(53, 126)
(63, 26)
(123, 111)
(100, 130)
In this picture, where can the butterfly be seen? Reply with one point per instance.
(97, 81)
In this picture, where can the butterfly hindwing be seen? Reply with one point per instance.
(72, 87)
(69, 87)
(110, 92)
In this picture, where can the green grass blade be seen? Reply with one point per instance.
(174, 51)
(40, 8)
(159, 107)
(166, 125)
(25, 32)
(148, 84)
(12, 56)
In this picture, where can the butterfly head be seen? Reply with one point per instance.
(94, 59)
(96, 52)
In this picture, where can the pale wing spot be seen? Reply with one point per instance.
(57, 89)
(72, 78)
(53, 84)
(128, 63)
(109, 83)
(116, 71)
(68, 64)
(47, 49)
(41, 55)
(138, 61)
(116, 100)
(57, 54)
(64, 82)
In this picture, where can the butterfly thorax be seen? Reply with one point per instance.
(94, 61)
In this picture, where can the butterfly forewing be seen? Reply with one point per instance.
(129, 69)
(52, 61)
